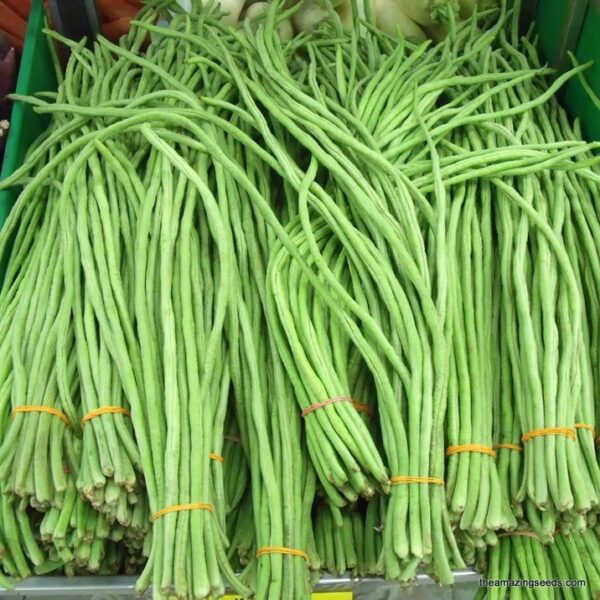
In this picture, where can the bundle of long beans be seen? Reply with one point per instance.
(338, 545)
(518, 557)
(282, 481)
(521, 565)
(475, 497)
(258, 288)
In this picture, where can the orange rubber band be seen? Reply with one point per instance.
(530, 534)
(105, 410)
(281, 550)
(470, 448)
(586, 426)
(566, 431)
(398, 479)
(362, 407)
(509, 447)
(314, 407)
(43, 409)
(216, 457)
(178, 507)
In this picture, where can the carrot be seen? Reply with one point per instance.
(11, 22)
(21, 7)
(115, 29)
(112, 10)
(135, 3)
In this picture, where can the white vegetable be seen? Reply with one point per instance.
(344, 10)
(255, 9)
(336, 3)
(284, 29)
(231, 10)
(309, 16)
(467, 8)
(389, 17)
(428, 12)
(438, 32)
(185, 4)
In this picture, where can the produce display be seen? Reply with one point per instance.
(286, 299)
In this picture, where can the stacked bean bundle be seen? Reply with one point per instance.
(276, 307)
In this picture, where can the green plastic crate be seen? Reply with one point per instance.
(36, 74)
(572, 25)
(588, 48)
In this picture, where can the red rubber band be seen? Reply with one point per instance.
(314, 407)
